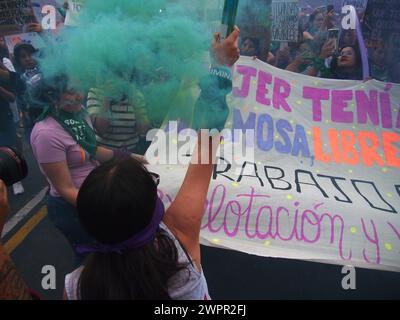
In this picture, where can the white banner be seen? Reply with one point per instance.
(325, 183)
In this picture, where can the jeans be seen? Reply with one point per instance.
(65, 218)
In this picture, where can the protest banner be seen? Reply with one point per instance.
(32, 38)
(324, 185)
(285, 17)
(15, 15)
(74, 9)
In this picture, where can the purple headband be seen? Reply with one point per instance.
(139, 240)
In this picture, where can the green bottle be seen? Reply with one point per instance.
(229, 17)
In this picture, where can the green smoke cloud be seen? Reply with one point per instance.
(159, 45)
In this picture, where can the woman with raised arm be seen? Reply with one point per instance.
(142, 251)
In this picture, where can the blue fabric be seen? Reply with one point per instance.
(211, 109)
(65, 218)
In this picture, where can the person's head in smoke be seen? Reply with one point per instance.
(347, 65)
(117, 201)
(137, 37)
(55, 92)
(250, 47)
(24, 55)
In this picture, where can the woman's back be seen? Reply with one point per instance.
(188, 284)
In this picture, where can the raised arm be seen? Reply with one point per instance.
(211, 111)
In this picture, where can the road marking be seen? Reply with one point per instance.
(24, 231)
(21, 214)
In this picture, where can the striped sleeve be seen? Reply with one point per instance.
(94, 102)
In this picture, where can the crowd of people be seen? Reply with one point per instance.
(325, 50)
(102, 198)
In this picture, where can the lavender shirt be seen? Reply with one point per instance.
(51, 143)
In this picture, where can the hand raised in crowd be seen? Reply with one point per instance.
(226, 52)
(328, 49)
(4, 208)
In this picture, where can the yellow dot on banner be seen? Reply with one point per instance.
(385, 169)
(256, 108)
(353, 230)
(354, 127)
(277, 137)
(309, 133)
(326, 121)
(215, 241)
(235, 184)
(289, 197)
(267, 243)
(222, 142)
(350, 171)
(175, 141)
(316, 83)
(388, 246)
(259, 163)
(299, 102)
(291, 121)
(389, 195)
(318, 171)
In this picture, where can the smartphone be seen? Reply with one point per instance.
(334, 34)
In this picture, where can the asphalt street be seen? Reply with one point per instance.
(35, 243)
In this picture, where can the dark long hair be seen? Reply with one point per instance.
(115, 202)
(357, 73)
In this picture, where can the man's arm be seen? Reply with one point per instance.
(12, 286)
(184, 216)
